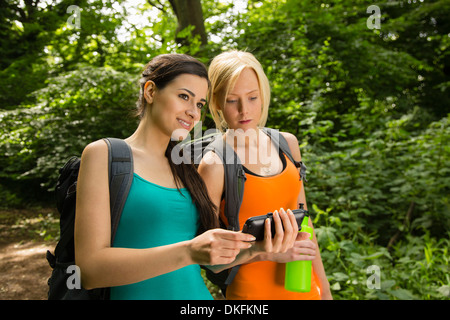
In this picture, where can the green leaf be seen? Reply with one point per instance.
(403, 294)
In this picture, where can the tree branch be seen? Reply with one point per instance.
(160, 7)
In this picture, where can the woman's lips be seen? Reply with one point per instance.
(184, 124)
(245, 121)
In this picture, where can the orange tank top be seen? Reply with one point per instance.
(264, 280)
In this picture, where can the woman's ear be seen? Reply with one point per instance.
(149, 91)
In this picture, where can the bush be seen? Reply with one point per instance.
(73, 110)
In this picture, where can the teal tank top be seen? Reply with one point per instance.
(156, 216)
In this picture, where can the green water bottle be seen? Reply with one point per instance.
(298, 273)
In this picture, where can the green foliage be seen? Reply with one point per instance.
(417, 267)
(369, 108)
(73, 110)
(39, 43)
(34, 224)
(372, 133)
(382, 174)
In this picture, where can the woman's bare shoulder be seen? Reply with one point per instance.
(293, 145)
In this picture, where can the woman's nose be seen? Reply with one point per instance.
(243, 107)
(193, 112)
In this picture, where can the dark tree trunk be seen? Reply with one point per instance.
(189, 12)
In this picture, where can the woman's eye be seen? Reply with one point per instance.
(184, 96)
(253, 98)
(231, 101)
(200, 105)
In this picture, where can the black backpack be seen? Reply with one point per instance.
(64, 278)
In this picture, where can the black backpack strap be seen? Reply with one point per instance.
(234, 175)
(280, 141)
(120, 178)
(67, 232)
(234, 178)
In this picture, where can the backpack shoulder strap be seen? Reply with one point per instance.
(234, 179)
(280, 141)
(120, 178)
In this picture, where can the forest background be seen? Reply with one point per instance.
(367, 97)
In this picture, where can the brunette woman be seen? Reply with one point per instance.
(160, 241)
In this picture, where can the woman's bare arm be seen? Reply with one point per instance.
(104, 266)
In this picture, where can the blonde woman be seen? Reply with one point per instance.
(239, 102)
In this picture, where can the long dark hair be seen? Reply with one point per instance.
(162, 70)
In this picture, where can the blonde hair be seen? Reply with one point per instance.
(223, 72)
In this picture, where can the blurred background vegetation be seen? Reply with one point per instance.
(370, 108)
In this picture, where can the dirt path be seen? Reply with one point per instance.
(24, 271)
(25, 237)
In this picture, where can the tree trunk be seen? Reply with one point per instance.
(189, 12)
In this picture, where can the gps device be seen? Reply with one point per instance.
(255, 225)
